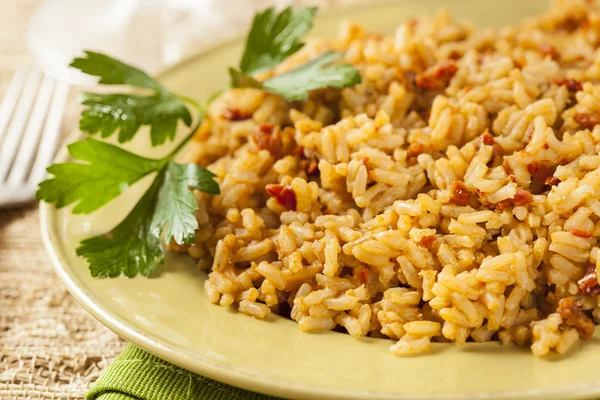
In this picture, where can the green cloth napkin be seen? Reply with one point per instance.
(138, 375)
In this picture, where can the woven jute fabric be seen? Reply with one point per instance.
(50, 347)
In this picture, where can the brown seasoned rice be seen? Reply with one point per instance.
(453, 195)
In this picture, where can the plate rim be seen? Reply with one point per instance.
(237, 376)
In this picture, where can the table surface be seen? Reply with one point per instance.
(50, 347)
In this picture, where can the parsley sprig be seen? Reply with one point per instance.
(106, 113)
(274, 37)
(101, 171)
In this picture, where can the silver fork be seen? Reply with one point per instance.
(30, 122)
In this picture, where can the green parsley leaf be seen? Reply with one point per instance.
(110, 172)
(128, 112)
(108, 112)
(274, 37)
(114, 72)
(176, 206)
(130, 248)
(295, 84)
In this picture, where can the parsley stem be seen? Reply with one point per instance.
(170, 156)
(201, 111)
(192, 102)
(204, 107)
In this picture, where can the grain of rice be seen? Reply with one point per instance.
(256, 310)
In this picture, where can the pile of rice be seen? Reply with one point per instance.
(452, 196)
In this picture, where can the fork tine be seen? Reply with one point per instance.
(51, 133)
(15, 130)
(10, 99)
(27, 151)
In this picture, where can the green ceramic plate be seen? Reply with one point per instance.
(170, 315)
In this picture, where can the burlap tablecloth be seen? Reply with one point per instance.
(50, 347)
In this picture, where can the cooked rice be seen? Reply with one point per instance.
(451, 196)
